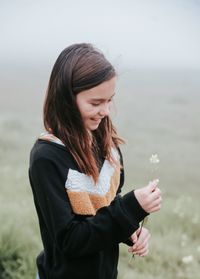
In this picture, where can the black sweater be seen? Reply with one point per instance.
(81, 224)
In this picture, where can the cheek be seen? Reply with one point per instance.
(88, 111)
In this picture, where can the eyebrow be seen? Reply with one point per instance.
(101, 99)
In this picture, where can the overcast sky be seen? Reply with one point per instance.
(143, 33)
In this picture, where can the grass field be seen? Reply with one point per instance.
(156, 114)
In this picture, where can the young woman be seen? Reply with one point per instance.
(76, 174)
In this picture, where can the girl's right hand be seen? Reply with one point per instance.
(149, 197)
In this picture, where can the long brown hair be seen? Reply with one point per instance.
(79, 67)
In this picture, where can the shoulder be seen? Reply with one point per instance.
(44, 151)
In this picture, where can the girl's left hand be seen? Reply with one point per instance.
(140, 239)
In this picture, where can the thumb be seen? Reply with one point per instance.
(152, 185)
(134, 237)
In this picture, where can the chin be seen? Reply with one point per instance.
(93, 128)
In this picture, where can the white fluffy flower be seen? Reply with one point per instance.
(187, 259)
(154, 159)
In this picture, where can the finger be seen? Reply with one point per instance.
(141, 251)
(155, 208)
(140, 229)
(134, 237)
(155, 203)
(140, 248)
(156, 194)
(152, 185)
(143, 232)
(145, 253)
(142, 240)
(141, 243)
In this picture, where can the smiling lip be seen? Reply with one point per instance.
(96, 120)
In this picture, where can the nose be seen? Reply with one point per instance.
(105, 110)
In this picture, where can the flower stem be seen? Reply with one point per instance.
(144, 221)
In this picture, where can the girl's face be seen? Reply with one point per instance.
(94, 104)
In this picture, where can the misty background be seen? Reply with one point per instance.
(154, 46)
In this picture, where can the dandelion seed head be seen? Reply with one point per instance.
(154, 159)
(187, 259)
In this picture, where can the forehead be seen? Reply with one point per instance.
(102, 91)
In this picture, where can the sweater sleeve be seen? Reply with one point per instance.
(74, 236)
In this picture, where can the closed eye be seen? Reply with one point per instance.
(98, 102)
(95, 104)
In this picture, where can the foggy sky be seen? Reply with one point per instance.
(143, 33)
